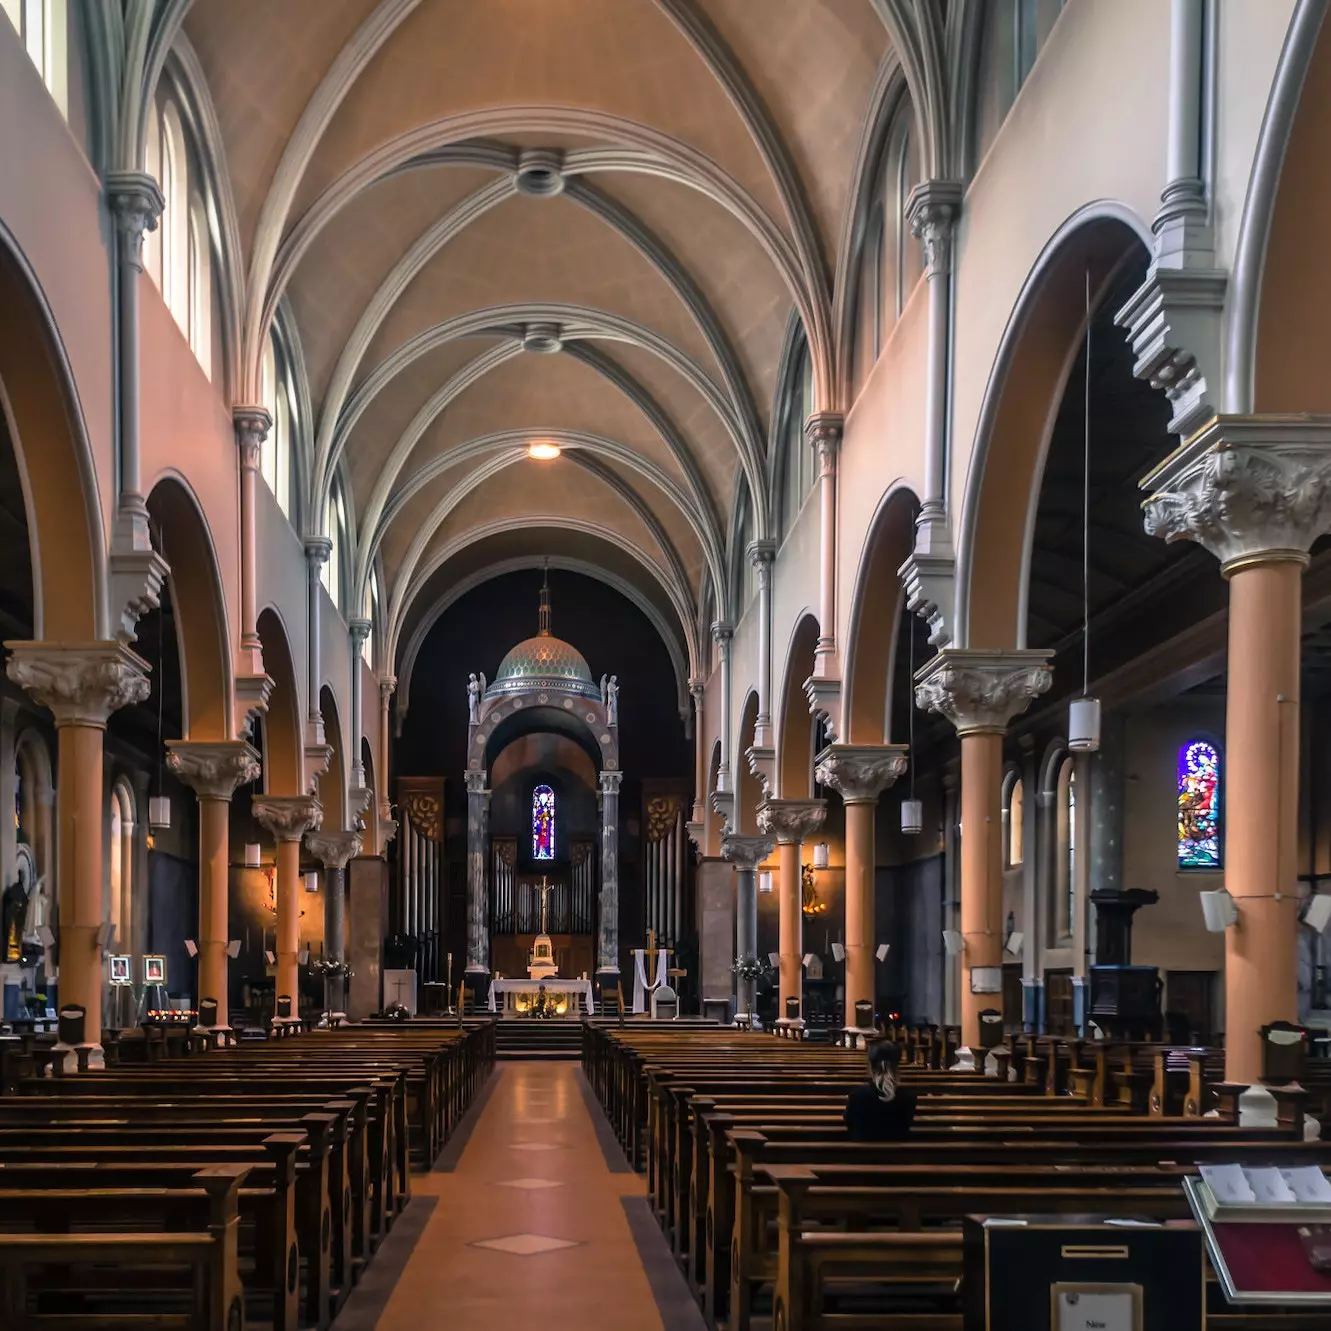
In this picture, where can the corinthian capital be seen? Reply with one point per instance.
(932, 211)
(81, 683)
(333, 849)
(288, 817)
(982, 691)
(746, 852)
(791, 820)
(136, 203)
(252, 424)
(1249, 488)
(859, 773)
(213, 770)
(823, 431)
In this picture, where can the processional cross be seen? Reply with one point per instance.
(545, 898)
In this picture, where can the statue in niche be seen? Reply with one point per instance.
(474, 687)
(610, 698)
(13, 916)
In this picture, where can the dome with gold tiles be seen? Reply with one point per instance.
(544, 664)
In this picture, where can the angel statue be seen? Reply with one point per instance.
(612, 700)
(473, 699)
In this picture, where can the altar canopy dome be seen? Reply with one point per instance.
(544, 663)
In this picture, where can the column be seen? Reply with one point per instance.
(762, 553)
(823, 432)
(81, 684)
(698, 816)
(287, 818)
(252, 425)
(478, 923)
(360, 630)
(214, 771)
(607, 942)
(980, 692)
(723, 635)
(317, 551)
(387, 684)
(136, 204)
(790, 822)
(859, 773)
(334, 850)
(1256, 492)
(745, 853)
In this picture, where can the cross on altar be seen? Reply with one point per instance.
(545, 898)
(650, 954)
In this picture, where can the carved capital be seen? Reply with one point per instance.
(360, 630)
(859, 773)
(932, 211)
(791, 820)
(1251, 489)
(698, 692)
(746, 852)
(252, 424)
(81, 683)
(476, 783)
(333, 849)
(610, 782)
(387, 687)
(288, 817)
(213, 770)
(317, 551)
(982, 691)
(823, 432)
(136, 203)
(723, 634)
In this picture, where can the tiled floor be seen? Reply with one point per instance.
(531, 1228)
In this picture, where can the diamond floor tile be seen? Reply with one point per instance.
(525, 1245)
(530, 1184)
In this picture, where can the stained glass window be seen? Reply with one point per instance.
(543, 823)
(1198, 806)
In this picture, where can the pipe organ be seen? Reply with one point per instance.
(666, 867)
(515, 899)
(421, 870)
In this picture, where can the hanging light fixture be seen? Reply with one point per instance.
(765, 881)
(821, 856)
(311, 880)
(253, 853)
(912, 810)
(1084, 712)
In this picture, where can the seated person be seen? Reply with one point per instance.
(882, 1110)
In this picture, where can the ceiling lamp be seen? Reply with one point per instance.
(543, 450)
(1084, 712)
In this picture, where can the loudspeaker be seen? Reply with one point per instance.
(838, 952)
(1318, 914)
(952, 942)
(882, 950)
(1013, 945)
(1218, 910)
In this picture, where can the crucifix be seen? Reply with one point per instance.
(650, 953)
(545, 898)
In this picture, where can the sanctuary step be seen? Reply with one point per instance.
(529, 1038)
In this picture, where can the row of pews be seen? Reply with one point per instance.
(772, 1212)
(245, 1187)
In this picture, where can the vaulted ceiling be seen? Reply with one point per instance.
(489, 222)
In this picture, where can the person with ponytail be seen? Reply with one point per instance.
(883, 1109)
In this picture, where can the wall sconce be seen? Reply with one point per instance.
(821, 855)
(765, 881)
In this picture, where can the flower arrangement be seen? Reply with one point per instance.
(329, 968)
(750, 968)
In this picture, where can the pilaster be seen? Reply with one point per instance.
(823, 432)
(980, 692)
(252, 423)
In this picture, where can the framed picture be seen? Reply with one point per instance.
(154, 970)
(1101, 1307)
(120, 970)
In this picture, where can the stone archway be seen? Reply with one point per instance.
(794, 725)
(333, 781)
(283, 747)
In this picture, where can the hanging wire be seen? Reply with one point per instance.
(1086, 510)
(910, 696)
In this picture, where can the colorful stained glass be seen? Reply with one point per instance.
(1198, 806)
(543, 823)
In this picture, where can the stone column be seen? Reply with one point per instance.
(136, 204)
(607, 942)
(859, 773)
(762, 553)
(790, 821)
(287, 818)
(333, 850)
(1256, 492)
(317, 551)
(360, 630)
(980, 692)
(698, 816)
(387, 683)
(252, 425)
(823, 431)
(81, 684)
(478, 906)
(745, 853)
(214, 771)
(724, 634)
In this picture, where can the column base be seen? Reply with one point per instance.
(858, 1037)
(965, 1061)
(92, 1056)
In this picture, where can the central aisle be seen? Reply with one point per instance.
(530, 1226)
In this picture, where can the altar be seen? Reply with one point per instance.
(514, 998)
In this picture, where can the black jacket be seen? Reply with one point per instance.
(870, 1118)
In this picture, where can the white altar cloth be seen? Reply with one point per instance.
(554, 985)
